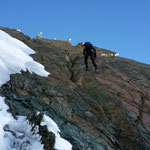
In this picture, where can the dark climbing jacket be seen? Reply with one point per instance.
(89, 49)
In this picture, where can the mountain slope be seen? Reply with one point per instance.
(105, 110)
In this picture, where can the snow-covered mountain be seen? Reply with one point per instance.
(17, 134)
(107, 110)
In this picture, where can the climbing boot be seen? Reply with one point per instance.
(96, 71)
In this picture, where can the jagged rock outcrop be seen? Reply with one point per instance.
(108, 110)
(47, 138)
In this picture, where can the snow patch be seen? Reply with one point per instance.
(60, 144)
(14, 57)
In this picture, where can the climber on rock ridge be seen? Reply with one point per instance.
(89, 50)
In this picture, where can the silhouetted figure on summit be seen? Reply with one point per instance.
(89, 50)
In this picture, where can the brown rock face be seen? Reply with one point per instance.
(107, 110)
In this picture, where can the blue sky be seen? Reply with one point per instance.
(119, 25)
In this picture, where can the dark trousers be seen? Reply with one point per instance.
(92, 59)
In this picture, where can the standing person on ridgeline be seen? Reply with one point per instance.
(89, 50)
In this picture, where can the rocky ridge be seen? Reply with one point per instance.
(108, 110)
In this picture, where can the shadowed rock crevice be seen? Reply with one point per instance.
(73, 63)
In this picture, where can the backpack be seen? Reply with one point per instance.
(88, 45)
